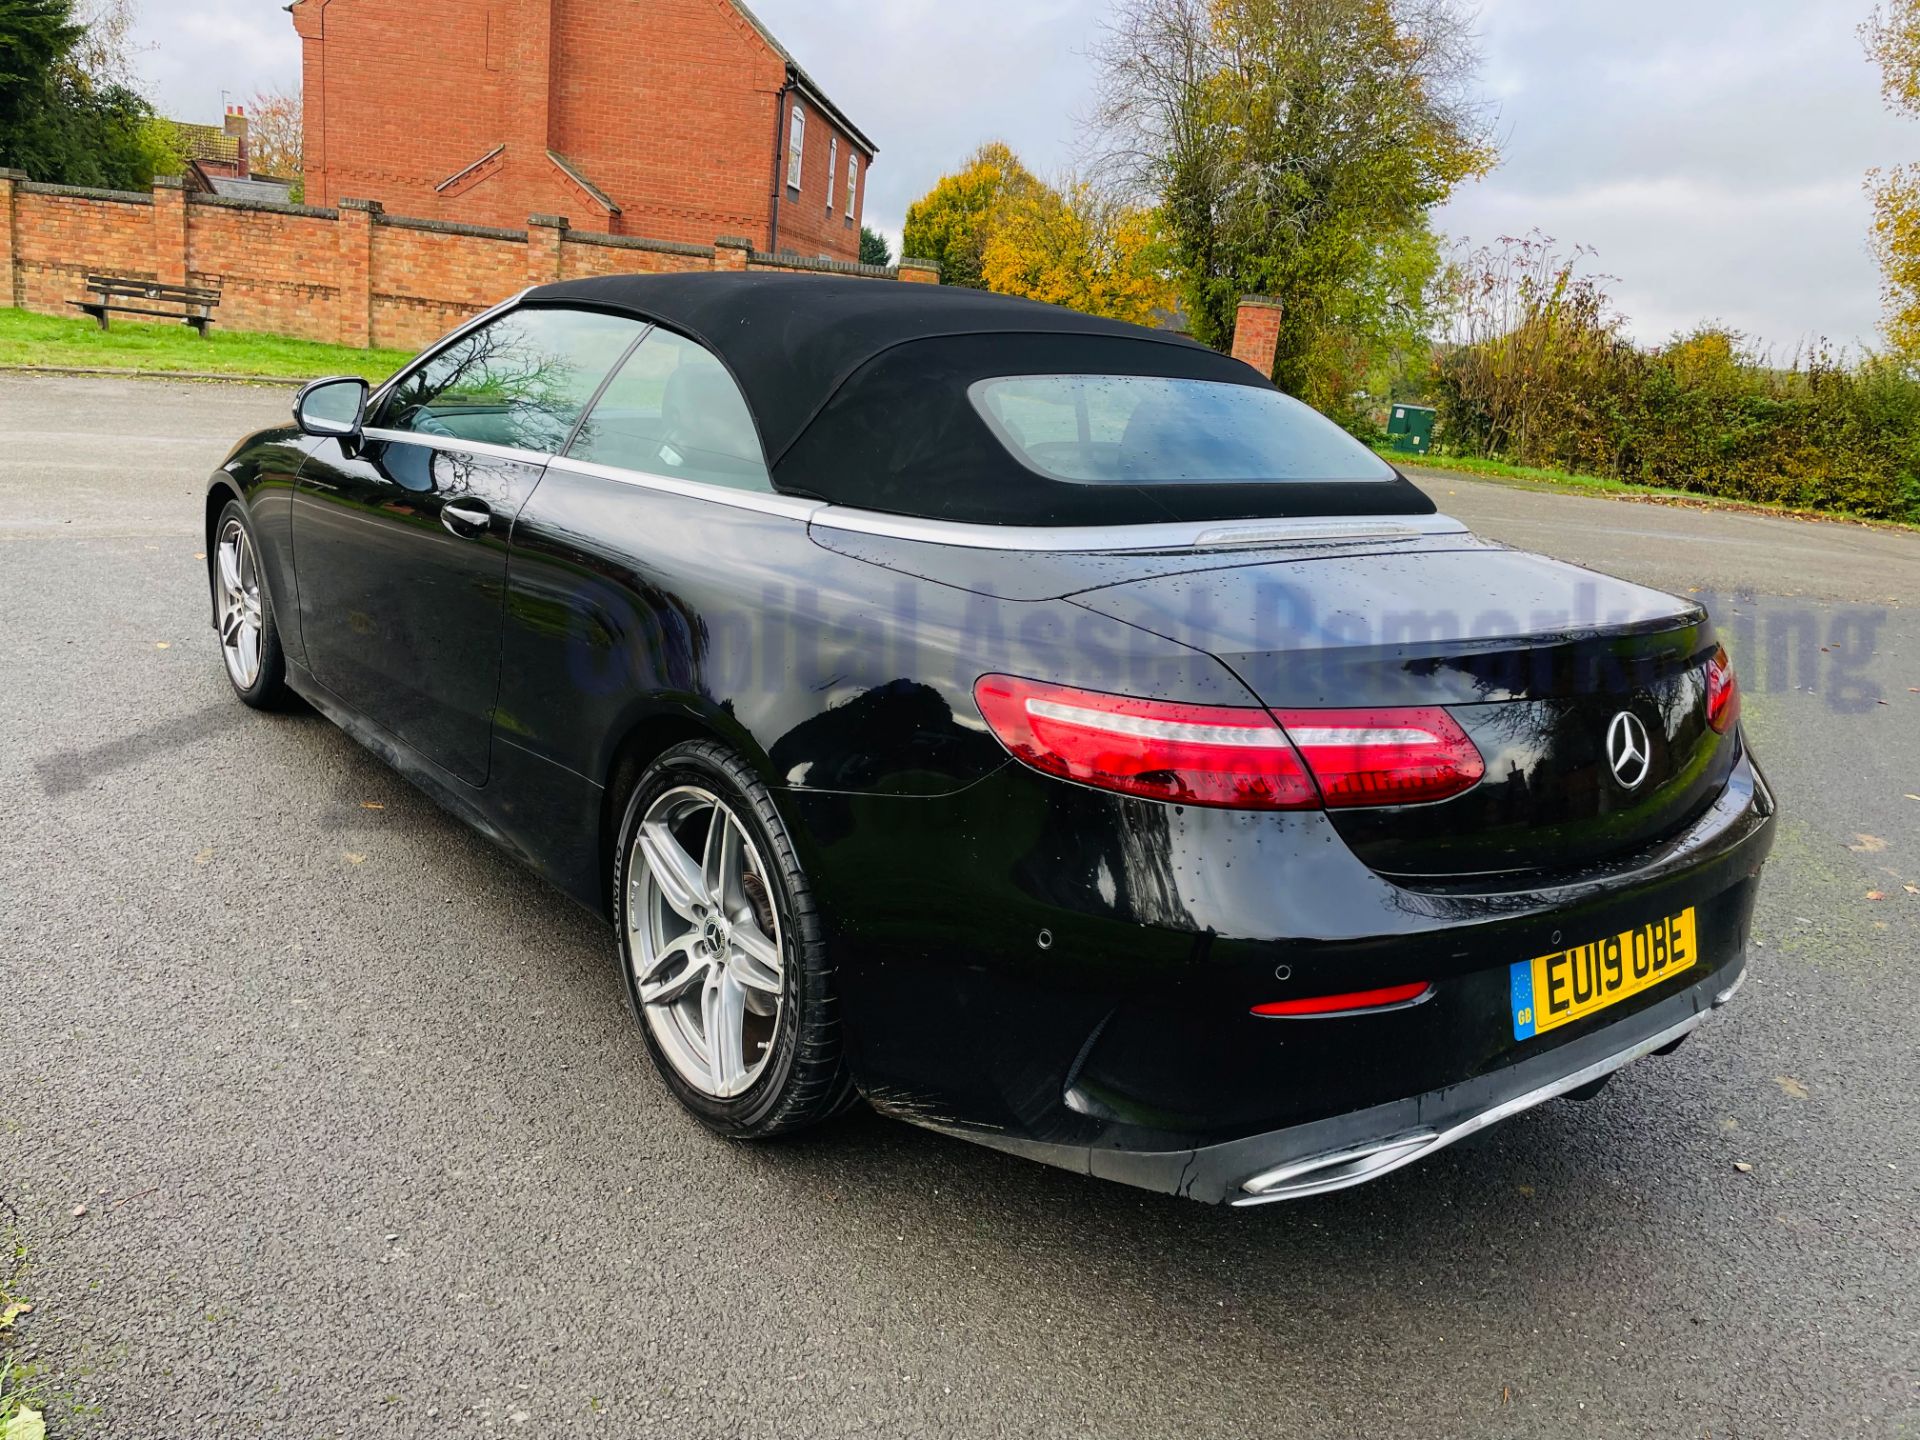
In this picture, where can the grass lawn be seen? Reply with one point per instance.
(1533, 478)
(28, 339)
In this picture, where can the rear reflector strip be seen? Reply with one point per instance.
(1355, 1002)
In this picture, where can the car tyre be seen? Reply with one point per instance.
(243, 612)
(697, 965)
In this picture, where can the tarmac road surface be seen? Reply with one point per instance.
(368, 1147)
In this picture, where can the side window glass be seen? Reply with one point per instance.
(674, 410)
(521, 381)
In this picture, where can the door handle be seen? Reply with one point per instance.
(469, 519)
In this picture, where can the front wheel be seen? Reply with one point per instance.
(722, 949)
(243, 612)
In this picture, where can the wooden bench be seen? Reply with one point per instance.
(189, 304)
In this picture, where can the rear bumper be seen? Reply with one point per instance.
(1085, 968)
(1352, 1149)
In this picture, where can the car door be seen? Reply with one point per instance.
(400, 537)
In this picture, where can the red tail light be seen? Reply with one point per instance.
(1723, 693)
(1385, 756)
(1228, 756)
(1218, 755)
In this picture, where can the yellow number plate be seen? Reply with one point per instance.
(1554, 990)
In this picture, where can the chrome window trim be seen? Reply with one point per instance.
(1115, 539)
(791, 507)
(456, 444)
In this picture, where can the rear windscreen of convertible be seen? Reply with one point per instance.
(1149, 430)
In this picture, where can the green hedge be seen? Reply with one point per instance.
(1700, 415)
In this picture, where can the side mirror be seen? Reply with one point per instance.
(334, 408)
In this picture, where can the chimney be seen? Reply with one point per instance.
(529, 104)
(237, 129)
(1256, 332)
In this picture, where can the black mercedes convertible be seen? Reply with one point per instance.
(1040, 727)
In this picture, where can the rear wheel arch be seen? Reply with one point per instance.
(644, 741)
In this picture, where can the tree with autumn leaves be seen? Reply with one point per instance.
(994, 225)
(1892, 38)
(1296, 149)
(1291, 148)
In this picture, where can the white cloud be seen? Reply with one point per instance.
(195, 54)
(1711, 150)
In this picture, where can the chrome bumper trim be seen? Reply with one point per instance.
(1357, 1164)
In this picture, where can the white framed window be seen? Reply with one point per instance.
(853, 183)
(833, 168)
(796, 146)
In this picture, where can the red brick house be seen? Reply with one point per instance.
(670, 119)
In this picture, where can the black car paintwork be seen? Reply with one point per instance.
(1032, 962)
(1132, 1029)
(400, 612)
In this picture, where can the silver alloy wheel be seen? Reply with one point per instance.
(240, 610)
(704, 939)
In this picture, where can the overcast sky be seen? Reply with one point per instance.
(1711, 151)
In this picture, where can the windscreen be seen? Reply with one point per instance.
(1151, 430)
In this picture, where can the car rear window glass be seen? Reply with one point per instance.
(1152, 430)
(674, 410)
(519, 381)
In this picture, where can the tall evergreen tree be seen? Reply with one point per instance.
(36, 36)
(59, 123)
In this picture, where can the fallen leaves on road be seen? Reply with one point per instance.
(1876, 894)
(1911, 889)
(28, 1424)
(1867, 845)
(161, 645)
(1743, 1167)
(353, 859)
(13, 1312)
(1791, 1086)
(204, 856)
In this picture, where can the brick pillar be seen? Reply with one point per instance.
(920, 272)
(730, 252)
(309, 23)
(9, 282)
(170, 230)
(353, 271)
(1256, 333)
(545, 233)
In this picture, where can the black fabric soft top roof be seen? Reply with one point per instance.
(791, 340)
(859, 390)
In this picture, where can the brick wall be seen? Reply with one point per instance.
(813, 219)
(669, 111)
(351, 274)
